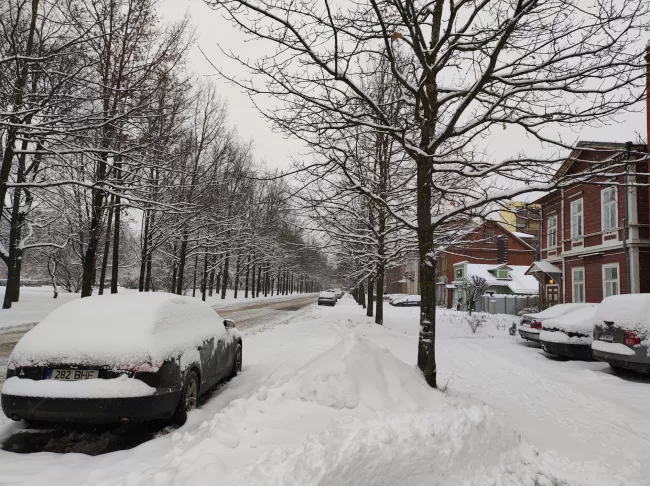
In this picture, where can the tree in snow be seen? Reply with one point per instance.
(474, 287)
(464, 69)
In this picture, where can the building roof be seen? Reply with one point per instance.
(543, 267)
(605, 147)
(519, 283)
(524, 236)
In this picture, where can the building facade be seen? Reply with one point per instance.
(520, 217)
(595, 238)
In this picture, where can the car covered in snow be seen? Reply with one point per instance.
(570, 335)
(327, 297)
(407, 301)
(531, 324)
(622, 332)
(391, 297)
(120, 358)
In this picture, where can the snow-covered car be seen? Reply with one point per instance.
(327, 297)
(570, 335)
(120, 358)
(339, 293)
(391, 297)
(531, 324)
(622, 332)
(406, 301)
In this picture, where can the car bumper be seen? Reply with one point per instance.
(326, 302)
(573, 351)
(530, 334)
(637, 362)
(91, 410)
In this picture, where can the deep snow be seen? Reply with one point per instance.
(331, 398)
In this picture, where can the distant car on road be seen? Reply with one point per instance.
(531, 324)
(407, 301)
(570, 335)
(622, 332)
(390, 297)
(339, 293)
(327, 297)
(120, 358)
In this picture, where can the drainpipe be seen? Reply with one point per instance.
(564, 276)
(626, 247)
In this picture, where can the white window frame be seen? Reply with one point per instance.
(574, 270)
(551, 243)
(489, 236)
(611, 281)
(604, 211)
(581, 214)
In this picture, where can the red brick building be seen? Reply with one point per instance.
(595, 237)
(480, 245)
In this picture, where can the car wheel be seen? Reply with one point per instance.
(617, 370)
(189, 398)
(236, 365)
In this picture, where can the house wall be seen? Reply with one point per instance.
(593, 266)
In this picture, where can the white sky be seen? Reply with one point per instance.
(212, 29)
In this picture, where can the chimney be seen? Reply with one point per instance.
(502, 249)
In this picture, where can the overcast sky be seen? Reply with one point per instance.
(212, 29)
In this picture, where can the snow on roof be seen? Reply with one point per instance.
(544, 267)
(630, 311)
(522, 235)
(119, 330)
(519, 283)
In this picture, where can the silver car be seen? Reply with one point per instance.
(622, 332)
(531, 324)
(327, 297)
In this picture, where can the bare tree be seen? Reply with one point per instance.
(474, 287)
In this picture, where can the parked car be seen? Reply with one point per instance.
(406, 301)
(531, 324)
(570, 335)
(339, 293)
(622, 332)
(327, 297)
(120, 358)
(391, 297)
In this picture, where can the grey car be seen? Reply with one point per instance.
(531, 324)
(622, 332)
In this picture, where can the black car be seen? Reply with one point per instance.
(120, 358)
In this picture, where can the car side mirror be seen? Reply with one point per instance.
(228, 324)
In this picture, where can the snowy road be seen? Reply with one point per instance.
(317, 404)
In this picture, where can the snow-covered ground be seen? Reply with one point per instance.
(330, 398)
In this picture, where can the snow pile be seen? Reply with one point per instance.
(579, 321)
(122, 387)
(121, 331)
(358, 372)
(631, 311)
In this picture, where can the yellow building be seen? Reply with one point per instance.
(521, 217)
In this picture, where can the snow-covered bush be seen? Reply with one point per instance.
(475, 322)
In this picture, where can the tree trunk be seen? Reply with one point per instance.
(427, 338)
(369, 308)
(362, 296)
(143, 253)
(181, 263)
(259, 280)
(116, 245)
(174, 269)
(248, 269)
(107, 247)
(224, 283)
(253, 283)
(196, 264)
(204, 280)
(237, 274)
(212, 277)
(379, 306)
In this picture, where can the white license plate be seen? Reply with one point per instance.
(72, 375)
(607, 338)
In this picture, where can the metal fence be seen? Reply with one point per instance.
(506, 304)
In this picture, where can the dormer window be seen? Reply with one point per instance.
(459, 273)
(502, 273)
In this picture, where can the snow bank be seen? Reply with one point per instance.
(121, 330)
(358, 372)
(577, 321)
(631, 311)
(122, 387)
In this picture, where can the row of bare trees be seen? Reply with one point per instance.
(119, 167)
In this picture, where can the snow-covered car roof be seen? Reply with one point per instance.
(630, 311)
(120, 330)
(579, 321)
(327, 293)
(557, 311)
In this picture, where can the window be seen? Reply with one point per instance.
(577, 229)
(502, 273)
(489, 236)
(459, 273)
(609, 209)
(611, 282)
(551, 239)
(578, 275)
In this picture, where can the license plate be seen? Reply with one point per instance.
(607, 338)
(72, 375)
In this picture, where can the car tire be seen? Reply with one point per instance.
(189, 398)
(617, 370)
(237, 363)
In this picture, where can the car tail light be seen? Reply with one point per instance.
(536, 325)
(147, 367)
(631, 338)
